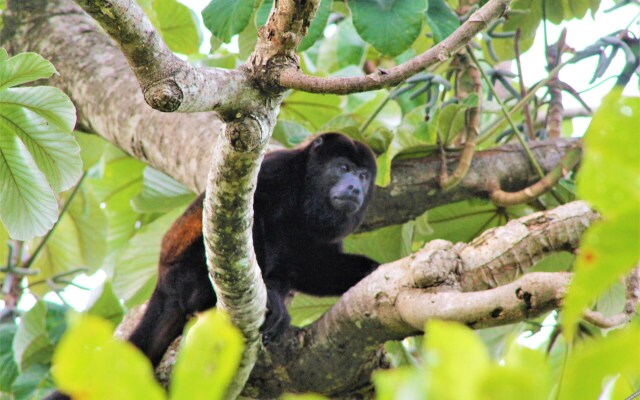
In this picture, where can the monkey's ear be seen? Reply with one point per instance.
(317, 142)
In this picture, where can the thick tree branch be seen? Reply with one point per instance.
(295, 79)
(167, 82)
(415, 187)
(227, 217)
(398, 298)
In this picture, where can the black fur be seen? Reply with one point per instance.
(307, 200)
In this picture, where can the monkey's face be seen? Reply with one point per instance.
(348, 184)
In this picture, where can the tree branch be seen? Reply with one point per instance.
(167, 82)
(227, 217)
(398, 298)
(293, 78)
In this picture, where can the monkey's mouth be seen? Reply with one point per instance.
(347, 204)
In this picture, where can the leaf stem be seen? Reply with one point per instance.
(46, 237)
(507, 115)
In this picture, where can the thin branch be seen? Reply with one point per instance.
(565, 166)
(523, 88)
(507, 115)
(293, 78)
(472, 127)
(632, 286)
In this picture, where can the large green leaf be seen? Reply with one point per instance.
(558, 11)
(28, 205)
(208, 360)
(160, 193)
(610, 179)
(136, 269)
(309, 110)
(609, 175)
(441, 19)
(391, 26)
(22, 68)
(414, 135)
(514, 379)
(383, 245)
(305, 309)
(9, 370)
(104, 303)
(90, 363)
(37, 152)
(78, 241)
(445, 361)
(31, 344)
(591, 364)
(225, 18)
(34, 383)
(178, 26)
(527, 17)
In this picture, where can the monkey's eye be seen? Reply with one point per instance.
(344, 168)
(364, 175)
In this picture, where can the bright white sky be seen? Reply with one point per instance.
(580, 34)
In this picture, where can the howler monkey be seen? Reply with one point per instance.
(307, 200)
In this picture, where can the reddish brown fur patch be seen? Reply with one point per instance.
(183, 233)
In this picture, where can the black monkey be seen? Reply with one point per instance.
(307, 200)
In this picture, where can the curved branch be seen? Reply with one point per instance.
(293, 78)
(398, 298)
(227, 216)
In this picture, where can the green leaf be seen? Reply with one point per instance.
(208, 360)
(610, 167)
(407, 140)
(305, 309)
(22, 68)
(391, 26)
(590, 364)
(513, 379)
(9, 370)
(559, 11)
(178, 26)
(383, 245)
(225, 18)
(104, 303)
(121, 179)
(31, 344)
(136, 269)
(90, 222)
(43, 118)
(290, 133)
(526, 18)
(401, 383)
(160, 193)
(92, 148)
(317, 26)
(445, 362)
(78, 241)
(608, 250)
(309, 110)
(34, 383)
(441, 20)
(90, 363)
(29, 207)
(609, 180)
(349, 46)
(451, 122)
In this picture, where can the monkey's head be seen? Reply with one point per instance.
(339, 182)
